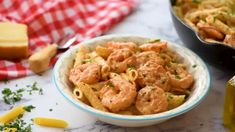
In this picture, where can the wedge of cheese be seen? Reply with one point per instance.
(13, 40)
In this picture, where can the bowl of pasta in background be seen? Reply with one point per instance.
(194, 64)
(220, 55)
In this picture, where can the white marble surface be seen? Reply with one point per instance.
(151, 18)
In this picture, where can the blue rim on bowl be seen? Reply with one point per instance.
(98, 113)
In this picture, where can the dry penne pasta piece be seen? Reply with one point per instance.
(103, 51)
(50, 122)
(91, 96)
(80, 95)
(12, 114)
(10, 130)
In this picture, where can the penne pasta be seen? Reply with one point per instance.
(50, 122)
(219, 24)
(91, 96)
(105, 68)
(80, 55)
(12, 114)
(79, 95)
(132, 74)
(103, 51)
(130, 91)
(97, 86)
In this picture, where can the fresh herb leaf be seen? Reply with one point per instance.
(214, 19)
(109, 84)
(18, 124)
(194, 66)
(11, 97)
(28, 108)
(86, 61)
(131, 67)
(177, 77)
(34, 87)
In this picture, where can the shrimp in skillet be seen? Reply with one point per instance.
(118, 94)
(151, 100)
(87, 73)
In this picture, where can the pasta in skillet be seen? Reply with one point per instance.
(214, 20)
(125, 78)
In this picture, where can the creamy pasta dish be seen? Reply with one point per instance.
(214, 20)
(131, 79)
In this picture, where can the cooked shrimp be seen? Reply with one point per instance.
(152, 74)
(151, 99)
(210, 31)
(157, 46)
(120, 45)
(120, 59)
(143, 57)
(87, 73)
(118, 94)
(179, 77)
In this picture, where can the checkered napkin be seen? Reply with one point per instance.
(49, 20)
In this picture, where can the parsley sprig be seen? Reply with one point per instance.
(11, 97)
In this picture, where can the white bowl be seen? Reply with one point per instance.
(199, 90)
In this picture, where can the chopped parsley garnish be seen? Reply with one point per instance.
(194, 66)
(18, 124)
(109, 84)
(34, 87)
(28, 108)
(177, 77)
(87, 61)
(11, 97)
(169, 97)
(131, 67)
(153, 40)
(214, 19)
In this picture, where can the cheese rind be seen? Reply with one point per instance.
(13, 40)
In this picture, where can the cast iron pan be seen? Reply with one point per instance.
(218, 55)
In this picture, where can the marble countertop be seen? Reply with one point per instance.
(151, 18)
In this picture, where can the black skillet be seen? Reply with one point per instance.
(218, 55)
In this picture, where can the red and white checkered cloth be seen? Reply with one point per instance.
(49, 20)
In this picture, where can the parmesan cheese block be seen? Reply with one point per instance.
(13, 40)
